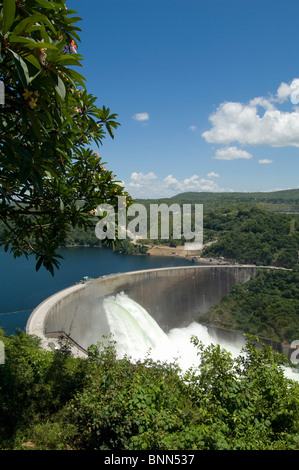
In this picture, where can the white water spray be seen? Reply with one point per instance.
(134, 330)
(138, 336)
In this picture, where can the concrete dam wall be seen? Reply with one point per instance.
(174, 297)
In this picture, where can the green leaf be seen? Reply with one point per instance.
(75, 19)
(50, 25)
(50, 173)
(38, 181)
(14, 38)
(9, 10)
(21, 68)
(110, 130)
(24, 153)
(59, 85)
(33, 60)
(61, 205)
(44, 35)
(45, 45)
(68, 59)
(36, 124)
(24, 173)
(26, 22)
(78, 77)
(45, 4)
(39, 263)
(49, 267)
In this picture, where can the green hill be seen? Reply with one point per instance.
(285, 200)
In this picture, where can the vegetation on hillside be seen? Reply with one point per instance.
(250, 235)
(275, 200)
(50, 400)
(267, 306)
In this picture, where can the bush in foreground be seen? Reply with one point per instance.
(51, 400)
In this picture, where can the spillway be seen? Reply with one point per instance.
(137, 335)
(133, 329)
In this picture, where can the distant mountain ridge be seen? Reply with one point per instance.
(283, 200)
(290, 195)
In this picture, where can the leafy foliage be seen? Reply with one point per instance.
(51, 400)
(253, 236)
(50, 179)
(266, 306)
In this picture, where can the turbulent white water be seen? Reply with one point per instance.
(138, 336)
(134, 330)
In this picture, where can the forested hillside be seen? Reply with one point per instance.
(276, 200)
(267, 306)
(250, 235)
(243, 229)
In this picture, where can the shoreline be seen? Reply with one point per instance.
(180, 251)
(164, 250)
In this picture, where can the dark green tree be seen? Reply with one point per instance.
(50, 178)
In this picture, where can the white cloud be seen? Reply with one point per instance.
(150, 186)
(264, 161)
(193, 183)
(290, 91)
(258, 122)
(193, 128)
(138, 180)
(141, 176)
(213, 175)
(141, 117)
(231, 153)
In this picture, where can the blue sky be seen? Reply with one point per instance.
(206, 91)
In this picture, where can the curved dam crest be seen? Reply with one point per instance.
(174, 297)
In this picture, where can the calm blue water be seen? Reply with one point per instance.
(22, 288)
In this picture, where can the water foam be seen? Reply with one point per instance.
(138, 336)
(134, 330)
